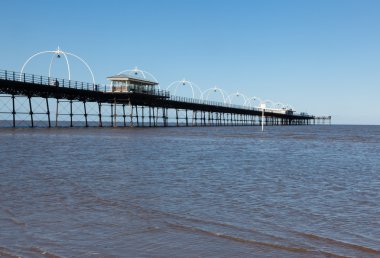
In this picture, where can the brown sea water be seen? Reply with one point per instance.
(306, 191)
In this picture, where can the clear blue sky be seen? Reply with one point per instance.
(322, 57)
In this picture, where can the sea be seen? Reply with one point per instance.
(290, 191)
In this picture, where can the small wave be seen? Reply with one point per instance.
(13, 218)
(90, 253)
(226, 225)
(129, 233)
(17, 222)
(339, 243)
(9, 212)
(42, 252)
(5, 252)
(243, 240)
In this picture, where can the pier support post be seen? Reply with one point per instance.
(153, 117)
(187, 121)
(165, 111)
(56, 113)
(130, 114)
(31, 111)
(142, 116)
(163, 117)
(176, 116)
(157, 116)
(71, 113)
(150, 117)
(100, 114)
(124, 116)
(85, 113)
(112, 115)
(48, 112)
(137, 116)
(13, 110)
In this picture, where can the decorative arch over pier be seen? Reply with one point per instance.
(194, 88)
(57, 54)
(238, 94)
(216, 89)
(253, 102)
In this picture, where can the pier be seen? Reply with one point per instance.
(128, 102)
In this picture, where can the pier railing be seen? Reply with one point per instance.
(224, 104)
(161, 93)
(207, 102)
(48, 81)
(64, 83)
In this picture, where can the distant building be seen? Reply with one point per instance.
(285, 111)
(126, 83)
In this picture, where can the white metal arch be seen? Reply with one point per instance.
(288, 107)
(57, 53)
(269, 104)
(251, 100)
(185, 82)
(83, 62)
(137, 71)
(216, 89)
(41, 53)
(238, 94)
(279, 105)
(51, 63)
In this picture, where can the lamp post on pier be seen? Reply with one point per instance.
(262, 106)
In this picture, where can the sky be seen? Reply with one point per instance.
(319, 56)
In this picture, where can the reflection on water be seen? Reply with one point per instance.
(190, 192)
